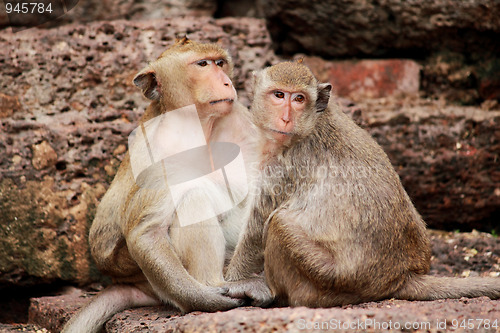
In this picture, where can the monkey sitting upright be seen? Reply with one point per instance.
(136, 237)
(331, 222)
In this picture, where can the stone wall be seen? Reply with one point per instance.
(67, 105)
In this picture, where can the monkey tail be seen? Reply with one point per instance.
(116, 298)
(428, 288)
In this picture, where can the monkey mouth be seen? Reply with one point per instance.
(229, 100)
(280, 132)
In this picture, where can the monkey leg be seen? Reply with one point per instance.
(301, 271)
(201, 248)
(106, 241)
(282, 275)
(182, 264)
(157, 257)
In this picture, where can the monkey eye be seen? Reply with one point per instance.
(279, 94)
(299, 98)
(203, 62)
(220, 62)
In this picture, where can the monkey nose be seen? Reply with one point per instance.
(224, 79)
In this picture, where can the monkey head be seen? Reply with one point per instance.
(190, 73)
(287, 101)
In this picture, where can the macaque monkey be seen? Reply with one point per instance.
(135, 237)
(331, 222)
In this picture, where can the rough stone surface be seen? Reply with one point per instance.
(43, 231)
(380, 27)
(457, 77)
(447, 157)
(94, 10)
(391, 314)
(419, 29)
(8, 328)
(8, 104)
(464, 254)
(367, 78)
(67, 105)
(453, 254)
(458, 42)
(52, 312)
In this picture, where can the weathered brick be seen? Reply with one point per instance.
(368, 78)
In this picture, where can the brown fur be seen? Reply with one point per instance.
(342, 230)
(136, 237)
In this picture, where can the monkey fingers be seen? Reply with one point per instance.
(218, 299)
(255, 289)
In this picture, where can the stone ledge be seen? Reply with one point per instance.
(52, 312)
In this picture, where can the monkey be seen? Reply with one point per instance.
(135, 237)
(331, 223)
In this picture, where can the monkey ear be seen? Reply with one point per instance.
(147, 82)
(323, 96)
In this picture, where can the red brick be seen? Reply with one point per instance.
(368, 78)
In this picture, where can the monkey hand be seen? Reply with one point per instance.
(254, 289)
(212, 299)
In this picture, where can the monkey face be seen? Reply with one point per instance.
(190, 73)
(282, 111)
(211, 86)
(286, 106)
(288, 100)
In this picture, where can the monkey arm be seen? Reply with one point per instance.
(248, 258)
(151, 248)
(247, 262)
